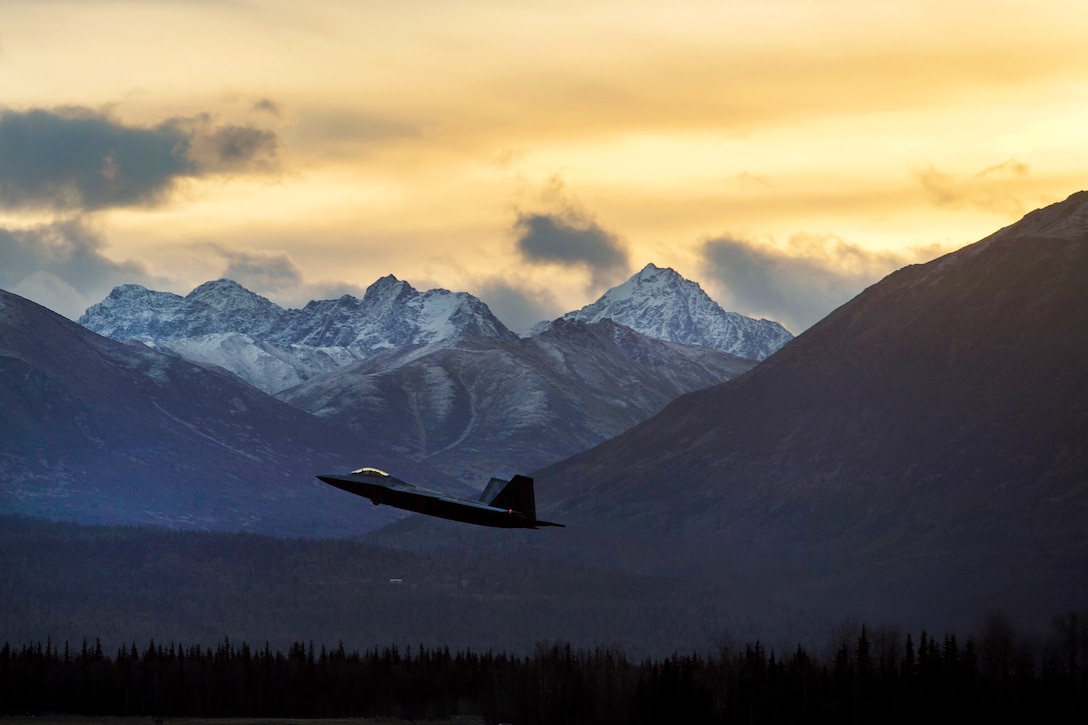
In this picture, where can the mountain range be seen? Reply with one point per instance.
(274, 349)
(437, 379)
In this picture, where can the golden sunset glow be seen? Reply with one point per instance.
(336, 142)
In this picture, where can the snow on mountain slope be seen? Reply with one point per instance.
(661, 303)
(274, 348)
(489, 403)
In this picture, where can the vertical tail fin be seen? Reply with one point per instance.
(517, 494)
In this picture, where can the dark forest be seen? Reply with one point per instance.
(873, 678)
(198, 625)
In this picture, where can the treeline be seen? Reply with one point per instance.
(873, 677)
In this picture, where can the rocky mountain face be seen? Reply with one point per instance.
(274, 348)
(919, 456)
(501, 406)
(661, 303)
(95, 431)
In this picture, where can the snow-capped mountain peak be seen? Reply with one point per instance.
(389, 289)
(661, 303)
(222, 294)
(223, 323)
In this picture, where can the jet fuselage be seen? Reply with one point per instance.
(381, 488)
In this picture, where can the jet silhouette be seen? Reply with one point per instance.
(505, 504)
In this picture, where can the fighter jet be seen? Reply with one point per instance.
(506, 504)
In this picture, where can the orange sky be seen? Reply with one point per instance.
(782, 153)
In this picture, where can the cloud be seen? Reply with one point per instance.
(991, 190)
(267, 105)
(569, 237)
(79, 159)
(799, 285)
(61, 266)
(263, 272)
(1012, 166)
(273, 274)
(232, 149)
(517, 306)
(566, 241)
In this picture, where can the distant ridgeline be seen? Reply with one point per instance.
(874, 677)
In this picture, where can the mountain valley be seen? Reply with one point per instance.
(916, 457)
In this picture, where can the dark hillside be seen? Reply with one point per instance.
(96, 431)
(918, 456)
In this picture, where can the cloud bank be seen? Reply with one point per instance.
(79, 159)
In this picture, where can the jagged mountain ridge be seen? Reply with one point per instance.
(659, 302)
(508, 406)
(274, 348)
(96, 431)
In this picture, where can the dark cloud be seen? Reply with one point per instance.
(800, 285)
(61, 266)
(518, 307)
(80, 159)
(569, 239)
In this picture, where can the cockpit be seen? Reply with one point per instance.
(367, 471)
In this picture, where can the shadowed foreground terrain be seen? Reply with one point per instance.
(125, 621)
(65, 582)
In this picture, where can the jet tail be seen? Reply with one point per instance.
(517, 494)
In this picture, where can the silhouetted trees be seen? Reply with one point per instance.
(874, 677)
